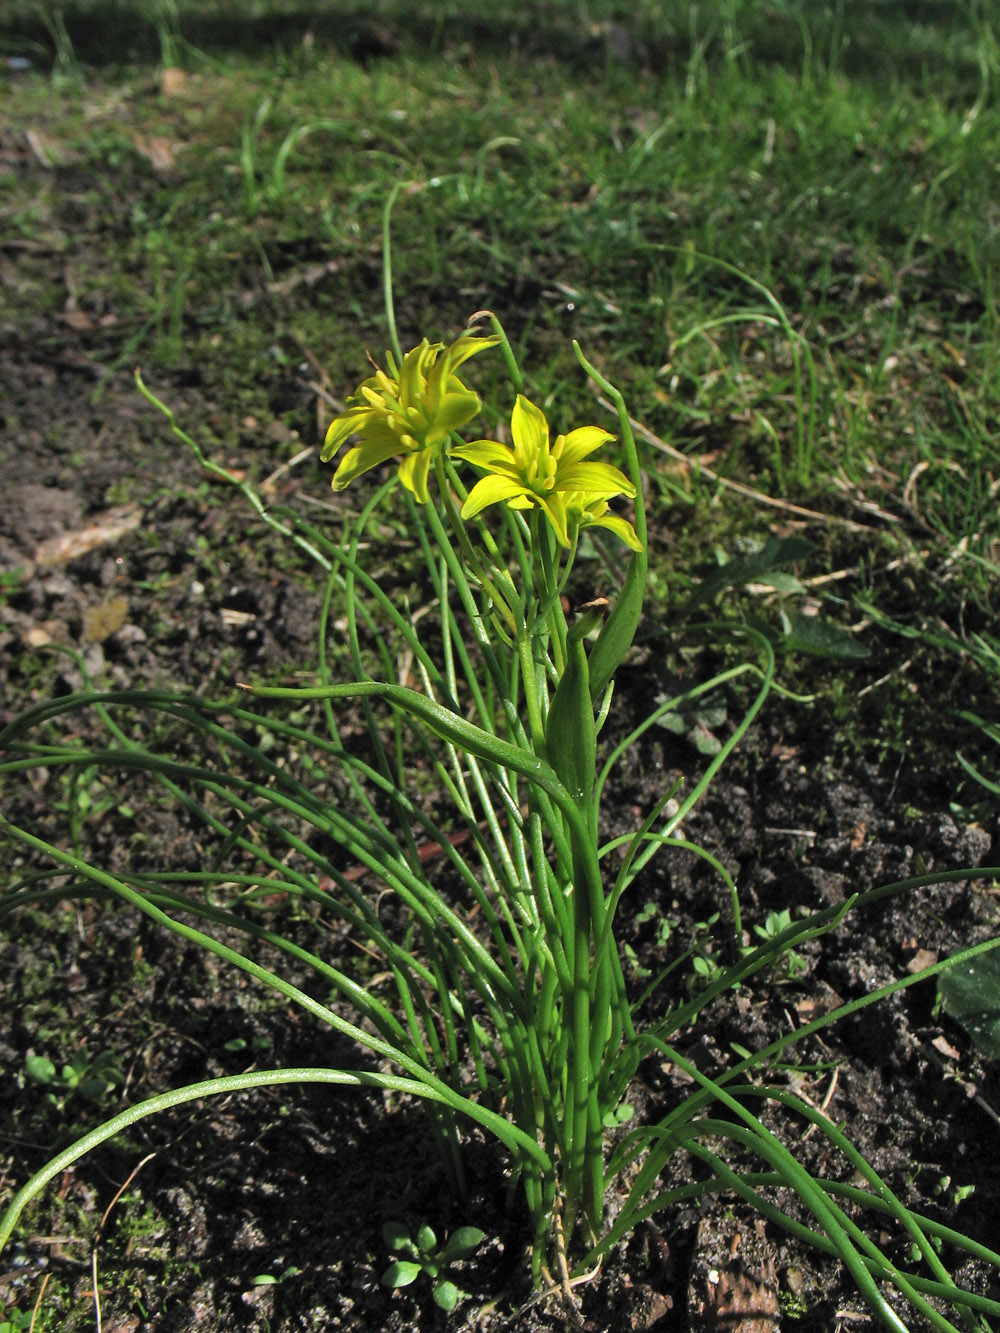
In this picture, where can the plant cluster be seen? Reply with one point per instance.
(502, 999)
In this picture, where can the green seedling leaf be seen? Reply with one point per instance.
(446, 1295)
(813, 634)
(776, 922)
(426, 1239)
(711, 714)
(696, 724)
(621, 1115)
(401, 1273)
(775, 552)
(39, 1068)
(461, 1244)
(971, 995)
(703, 740)
(396, 1235)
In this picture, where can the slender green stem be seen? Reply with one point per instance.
(510, 360)
(389, 301)
(165, 1101)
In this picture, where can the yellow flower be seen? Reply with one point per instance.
(572, 493)
(409, 412)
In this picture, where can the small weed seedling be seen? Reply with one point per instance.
(81, 1076)
(424, 1255)
(777, 922)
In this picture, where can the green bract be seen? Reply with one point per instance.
(571, 492)
(410, 412)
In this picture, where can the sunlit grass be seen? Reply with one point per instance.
(772, 224)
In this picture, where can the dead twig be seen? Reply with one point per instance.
(97, 1240)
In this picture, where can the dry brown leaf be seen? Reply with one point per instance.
(158, 150)
(944, 1047)
(310, 275)
(100, 622)
(77, 319)
(172, 80)
(36, 636)
(735, 1291)
(921, 959)
(45, 149)
(107, 526)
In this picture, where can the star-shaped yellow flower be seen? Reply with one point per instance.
(573, 493)
(410, 412)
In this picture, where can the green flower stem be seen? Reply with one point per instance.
(830, 1218)
(387, 296)
(580, 1078)
(550, 610)
(451, 484)
(532, 696)
(867, 1265)
(510, 1135)
(553, 907)
(475, 617)
(892, 1204)
(507, 351)
(454, 646)
(480, 743)
(509, 602)
(445, 723)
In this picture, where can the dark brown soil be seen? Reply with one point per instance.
(295, 1185)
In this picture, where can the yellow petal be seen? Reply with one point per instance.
(360, 459)
(341, 429)
(454, 411)
(530, 430)
(467, 346)
(594, 479)
(413, 473)
(412, 372)
(579, 443)
(616, 525)
(555, 512)
(490, 491)
(489, 454)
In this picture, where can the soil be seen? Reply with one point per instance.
(178, 585)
